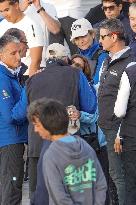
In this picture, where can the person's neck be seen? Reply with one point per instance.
(57, 137)
(20, 15)
(117, 47)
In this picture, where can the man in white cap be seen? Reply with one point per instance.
(61, 82)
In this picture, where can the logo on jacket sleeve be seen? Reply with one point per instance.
(5, 94)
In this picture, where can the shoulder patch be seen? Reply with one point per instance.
(5, 94)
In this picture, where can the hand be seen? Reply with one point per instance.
(73, 113)
(118, 145)
(24, 4)
(40, 70)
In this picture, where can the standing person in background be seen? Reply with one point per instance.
(15, 18)
(113, 9)
(94, 19)
(68, 12)
(90, 131)
(132, 18)
(113, 40)
(126, 110)
(13, 128)
(45, 15)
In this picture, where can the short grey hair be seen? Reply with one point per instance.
(15, 32)
(6, 39)
(132, 6)
(114, 26)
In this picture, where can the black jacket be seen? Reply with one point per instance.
(60, 82)
(128, 126)
(108, 90)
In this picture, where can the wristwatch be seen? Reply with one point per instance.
(41, 9)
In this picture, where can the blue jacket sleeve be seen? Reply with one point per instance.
(87, 95)
(10, 110)
(88, 118)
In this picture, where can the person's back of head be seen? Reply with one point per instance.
(56, 51)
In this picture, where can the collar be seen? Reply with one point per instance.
(89, 52)
(118, 54)
(13, 72)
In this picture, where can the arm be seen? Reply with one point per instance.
(35, 43)
(54, 183)
(121, 106)
(52, 24)
(11, 111)
(87, 95)
(36, 57)
(88, 118)
(122, 97)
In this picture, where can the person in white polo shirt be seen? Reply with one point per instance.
(15, 18)
(45, 15)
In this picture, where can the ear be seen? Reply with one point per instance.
(114, 37)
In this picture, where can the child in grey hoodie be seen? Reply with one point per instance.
(71, 170)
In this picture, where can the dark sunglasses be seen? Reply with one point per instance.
(103, 36)
(111, 8)
(109, 34)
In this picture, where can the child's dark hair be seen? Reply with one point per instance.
(51, 113)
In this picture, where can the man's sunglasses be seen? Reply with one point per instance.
(111, 8)
(109, 34)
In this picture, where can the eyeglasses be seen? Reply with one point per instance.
(111, 8)
(109, 34)
(103, 36)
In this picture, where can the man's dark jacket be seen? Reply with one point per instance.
(108, 90)
(61, 82)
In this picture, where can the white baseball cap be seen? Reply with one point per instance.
(56, 50)
(80, 27)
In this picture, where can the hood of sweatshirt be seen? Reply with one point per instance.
(76, 149)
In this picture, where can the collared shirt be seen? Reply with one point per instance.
(14, 72)
(118, 54)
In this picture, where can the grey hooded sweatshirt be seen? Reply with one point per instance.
(73, 174)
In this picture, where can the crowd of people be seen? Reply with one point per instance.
(68, 100)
